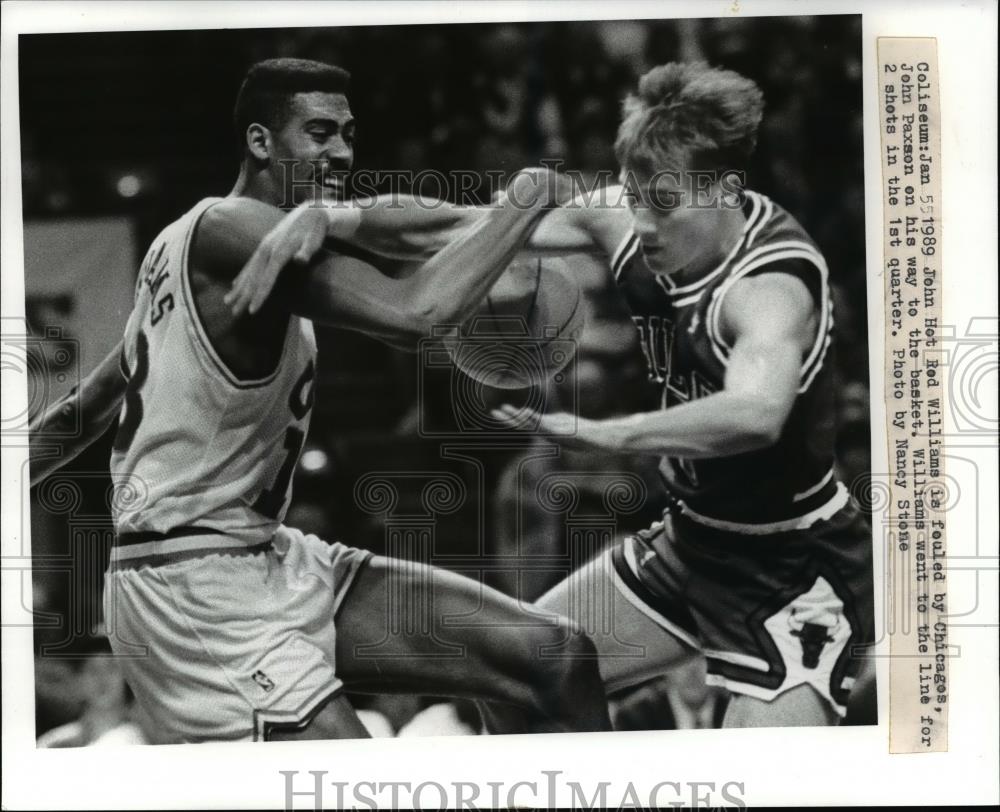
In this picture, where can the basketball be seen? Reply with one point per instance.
(524, 332)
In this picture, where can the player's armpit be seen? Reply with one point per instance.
(77, 419)
(769, 321)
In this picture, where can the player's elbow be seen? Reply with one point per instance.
(429, 314)
(763, 435)
(764, 423)
(414, 323)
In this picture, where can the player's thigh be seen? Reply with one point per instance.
(337, 720)
(631, 646)
(801, 706)
(415, 628)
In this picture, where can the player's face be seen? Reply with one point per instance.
(313, 152)
(677, 218)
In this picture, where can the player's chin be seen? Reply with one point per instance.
(662, 263)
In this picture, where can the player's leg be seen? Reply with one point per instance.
(635, 642)
(418, 629)
(801, 706)
(337, 720)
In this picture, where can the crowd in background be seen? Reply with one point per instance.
(137, 125)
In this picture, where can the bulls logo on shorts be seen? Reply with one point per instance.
(812, 636)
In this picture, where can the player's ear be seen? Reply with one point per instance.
(258, 139)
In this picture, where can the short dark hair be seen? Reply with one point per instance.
(689, 115)
(269, 86)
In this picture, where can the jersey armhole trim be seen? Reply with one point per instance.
(753, 264)
(623, 253)
(202, 334)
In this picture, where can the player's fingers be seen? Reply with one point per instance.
(518, 417)
(237, 296)
(312, 242)
(507, 414)
(234, 289)
(244, 282)
(499, 415)
(265, 282)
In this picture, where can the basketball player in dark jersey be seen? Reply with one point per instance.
(762, 562)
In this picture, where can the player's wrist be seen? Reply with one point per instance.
(342, 219)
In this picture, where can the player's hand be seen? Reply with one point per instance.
(296, 239)
(569, 429)
(536, 185)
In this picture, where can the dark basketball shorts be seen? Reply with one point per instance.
(769, 610)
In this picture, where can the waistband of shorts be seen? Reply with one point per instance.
(825, 511)
(150, 549)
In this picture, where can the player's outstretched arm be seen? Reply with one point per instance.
(410, 227)
(349, 293)
(770, 322)
(414, 228)
(445, 290)
(87, 410)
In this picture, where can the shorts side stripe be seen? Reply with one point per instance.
(350, 578)
(266, 722)
(765, 694)
(736, 658)
(635, 593)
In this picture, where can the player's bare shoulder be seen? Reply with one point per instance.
(227, 234)
(225, 237)
(776, 303)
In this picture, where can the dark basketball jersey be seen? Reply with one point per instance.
(679, 331)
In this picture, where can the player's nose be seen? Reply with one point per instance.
(339, 154)
(644, 226)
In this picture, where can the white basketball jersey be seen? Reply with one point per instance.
(196, 446)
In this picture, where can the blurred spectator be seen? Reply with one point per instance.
(105, 703)
(377, 724)
(441, 719)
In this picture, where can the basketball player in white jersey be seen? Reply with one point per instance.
(762, 561)
(251, 629)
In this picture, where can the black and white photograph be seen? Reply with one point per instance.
(450, 379)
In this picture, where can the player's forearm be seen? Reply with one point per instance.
(409, 227)
(718, 425)
(449, 286)
(401, 226)
(66, 428)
